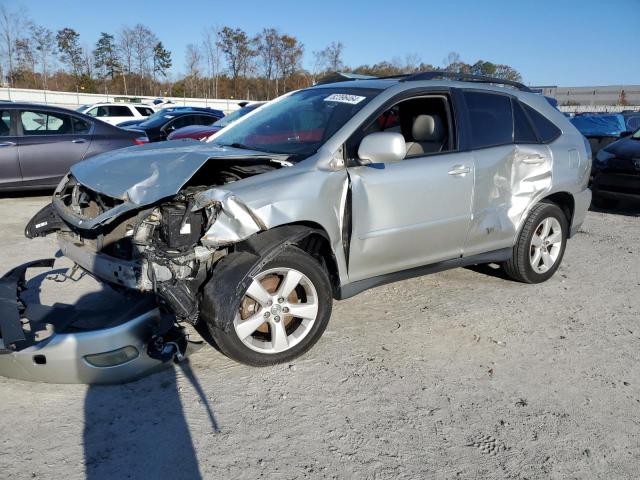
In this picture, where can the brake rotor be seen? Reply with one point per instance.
(249, 307)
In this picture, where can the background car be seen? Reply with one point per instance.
(114, 113)
(632, 120)
(199, 132)
(601, 129)
(39, 143)
(158, 126)
(616, 171)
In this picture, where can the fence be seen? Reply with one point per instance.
(74, 99)
(597, 108)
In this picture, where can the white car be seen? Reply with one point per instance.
(114, 113)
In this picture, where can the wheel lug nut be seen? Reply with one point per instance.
(270, 302)
(285, 309)
(280, 300)
(267, 314)
(276, 319)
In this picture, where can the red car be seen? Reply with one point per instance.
(200, 132)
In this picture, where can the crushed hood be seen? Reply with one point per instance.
(145, 174)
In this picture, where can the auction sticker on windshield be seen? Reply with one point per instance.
(344, 98)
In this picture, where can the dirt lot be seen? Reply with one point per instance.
(457, 375)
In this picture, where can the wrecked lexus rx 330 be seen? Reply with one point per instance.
(323, 193)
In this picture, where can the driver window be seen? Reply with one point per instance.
(425, 123)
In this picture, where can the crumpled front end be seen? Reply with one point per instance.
(167, 247)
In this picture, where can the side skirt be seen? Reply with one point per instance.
(354, 288)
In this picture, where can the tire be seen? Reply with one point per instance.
(260, 347)
(521, 265)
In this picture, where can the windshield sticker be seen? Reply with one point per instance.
(344, 98)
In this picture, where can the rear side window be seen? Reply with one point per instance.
(144, 111)
(491, 119)
(523, 132)
(547, 131)
(80, 127)
(119, 111)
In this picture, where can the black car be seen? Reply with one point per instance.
(616, 171)
(39, 143)
(159, 125)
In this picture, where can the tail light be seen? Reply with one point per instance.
(140, 140)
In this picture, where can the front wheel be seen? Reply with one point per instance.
(540, 247)
(282, 313)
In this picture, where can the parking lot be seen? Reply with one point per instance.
(458, 374)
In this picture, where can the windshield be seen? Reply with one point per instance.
(158, 119)
(233, 116)
(299, 124)
(82, 108)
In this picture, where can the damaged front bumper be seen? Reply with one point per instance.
(41, 343)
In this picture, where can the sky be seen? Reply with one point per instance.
(561, 42)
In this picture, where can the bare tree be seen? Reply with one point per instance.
(333, 56)
(44, 46)
(193, 61)
(412, 62)
(236, 46)
(268, 46)
(213, 54)
(288, 57)
(126, 47)
(143, 42)
(11, 24)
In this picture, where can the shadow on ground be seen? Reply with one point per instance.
(138, 429)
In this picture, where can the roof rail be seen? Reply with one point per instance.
(464, 77)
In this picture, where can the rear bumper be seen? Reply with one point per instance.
(61, 357)
(582, 201)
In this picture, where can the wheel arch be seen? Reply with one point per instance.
(565, 201)
(309, 236)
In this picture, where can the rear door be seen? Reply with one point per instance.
(512, 168)
(48, 146)
(9, 166)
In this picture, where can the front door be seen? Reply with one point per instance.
(9, 167)
(410, 213)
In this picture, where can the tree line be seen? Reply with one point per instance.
(226, 62)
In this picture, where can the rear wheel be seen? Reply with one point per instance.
(282, 313)
(540, 247)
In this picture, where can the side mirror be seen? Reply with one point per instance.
(382, 147)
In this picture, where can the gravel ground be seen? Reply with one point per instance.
(461, 374)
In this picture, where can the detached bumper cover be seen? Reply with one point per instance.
(61, 357)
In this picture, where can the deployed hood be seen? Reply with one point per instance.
(145, 174)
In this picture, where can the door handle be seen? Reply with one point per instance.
(533, 159)
(78, 140)
(8, 144)
(459, 170)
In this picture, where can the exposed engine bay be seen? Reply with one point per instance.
(166, 247)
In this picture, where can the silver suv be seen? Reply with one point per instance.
(323, 193)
